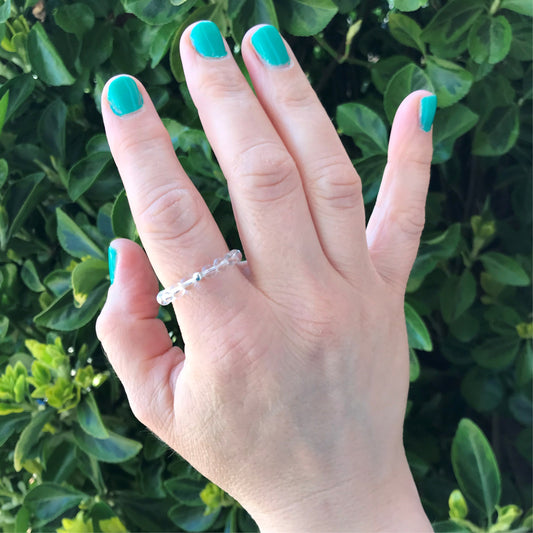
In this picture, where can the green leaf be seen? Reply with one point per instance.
(74, 18)
(452, 22)
(12, 423)
(364, 126)
(85, 172)
(113, 449)
(50, 500)
(63, 315)
(29, 437)
(4, 171)
(521, 408)
(497, 132)
(305, 17)
(489, 39)
(496, 353)
(19, 89)
(458, 293)
(52, 127)
(451, 81)
(450, 124)
(524, 7)
(45, 59)
(156, 12)
(30, 277)
(74, 240)
(86, 276)
(414, 366)
(5, 11)
(122, 219)
(475, 467)
(192, 518)
(89, 418)
(409, 5)
(448, 526)
(505, 269)
(417, 332)
(251, 12)
(385, 68)
(406, 31)
(185, 490)
(408, 79)
(4, 101)
(483, 390)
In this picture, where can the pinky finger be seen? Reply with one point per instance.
(136, 341)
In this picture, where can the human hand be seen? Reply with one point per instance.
(292, 390)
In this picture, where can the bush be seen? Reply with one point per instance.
(468, 306)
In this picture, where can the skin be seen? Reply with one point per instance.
(292, 390)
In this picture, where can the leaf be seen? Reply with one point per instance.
(74, 240)
(458, 293)
(192, 518)
(475, 467)
(496, 353)
(450, 124)
(414, 366)
(252, 12)
(122, 219)
(451, 81)
(305, 17)
(51, 128)
(505, 269)
(156, 12)
(524, 7)
(113, 449)
(483, 390)
(75, 18)
(86, 276)
(63, 315)
(50, 500)
(89, 418)
(29, 437)
(12, 423)
(4, 171)
(30, 277)
(85, 172)
(417, 332)
(385, 68)
(185, 490)
(489, 39)
(521, 408)
(365, 127)
(4, 101)
(5, 11)
(452, 22)
(497, 132)
(409, 5)
(19, 89)
(408, 79)
(406, 31)
(45, 60)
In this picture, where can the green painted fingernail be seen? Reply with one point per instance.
(112, 260)
(269, 45)
(428, 108)
(206, 38)
(124, 96)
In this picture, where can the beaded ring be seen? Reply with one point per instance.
(166, 296)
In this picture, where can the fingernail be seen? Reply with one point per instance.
(206, 38)
(112, 260)
(123, 96)
(270, 47)
(428, 107)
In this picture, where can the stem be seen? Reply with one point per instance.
(340, 58)
(495, 6)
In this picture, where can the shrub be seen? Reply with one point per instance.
(468, 307)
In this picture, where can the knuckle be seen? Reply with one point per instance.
(266, 171)
(144, 143)
(297, 95)
(169, 213)
(409, 219)
(336, 182)
(227, 84)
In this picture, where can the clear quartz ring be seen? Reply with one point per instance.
(167, 296)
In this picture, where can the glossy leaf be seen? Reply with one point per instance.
(524, 7)
(122, 219)
(458, 293)
(475, 467)
(74, 240)
(192, 518)
(113, 449)
(154, 12)
(86, 276)
(5, 11)
(483, 390)
(409, 5)
(29, 437)
(89, 418)
(365, 127)
(489, 39)
(505, 269)
(50, 500)
(74, 18)
(305, 17)
(85, 172)
(52, 128)
(451, 81)
(496, 353)
(45, 59)
(19, 89)
(417, 331)
(405, 30)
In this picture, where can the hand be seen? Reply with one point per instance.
(292, 390)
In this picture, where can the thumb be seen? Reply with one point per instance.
(394, 230)
(136, 341)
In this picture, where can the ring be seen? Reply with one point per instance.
(166, 296)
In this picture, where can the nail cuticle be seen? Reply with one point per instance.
(207, 40)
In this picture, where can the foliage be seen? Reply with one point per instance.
(468, 306)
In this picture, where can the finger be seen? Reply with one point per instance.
(265, 187)
(397, 221)
(332, 186)
(136, 342)
(175, 226)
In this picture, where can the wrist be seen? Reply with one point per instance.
(386, 504)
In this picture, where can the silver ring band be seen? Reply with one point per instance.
(167, 296)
